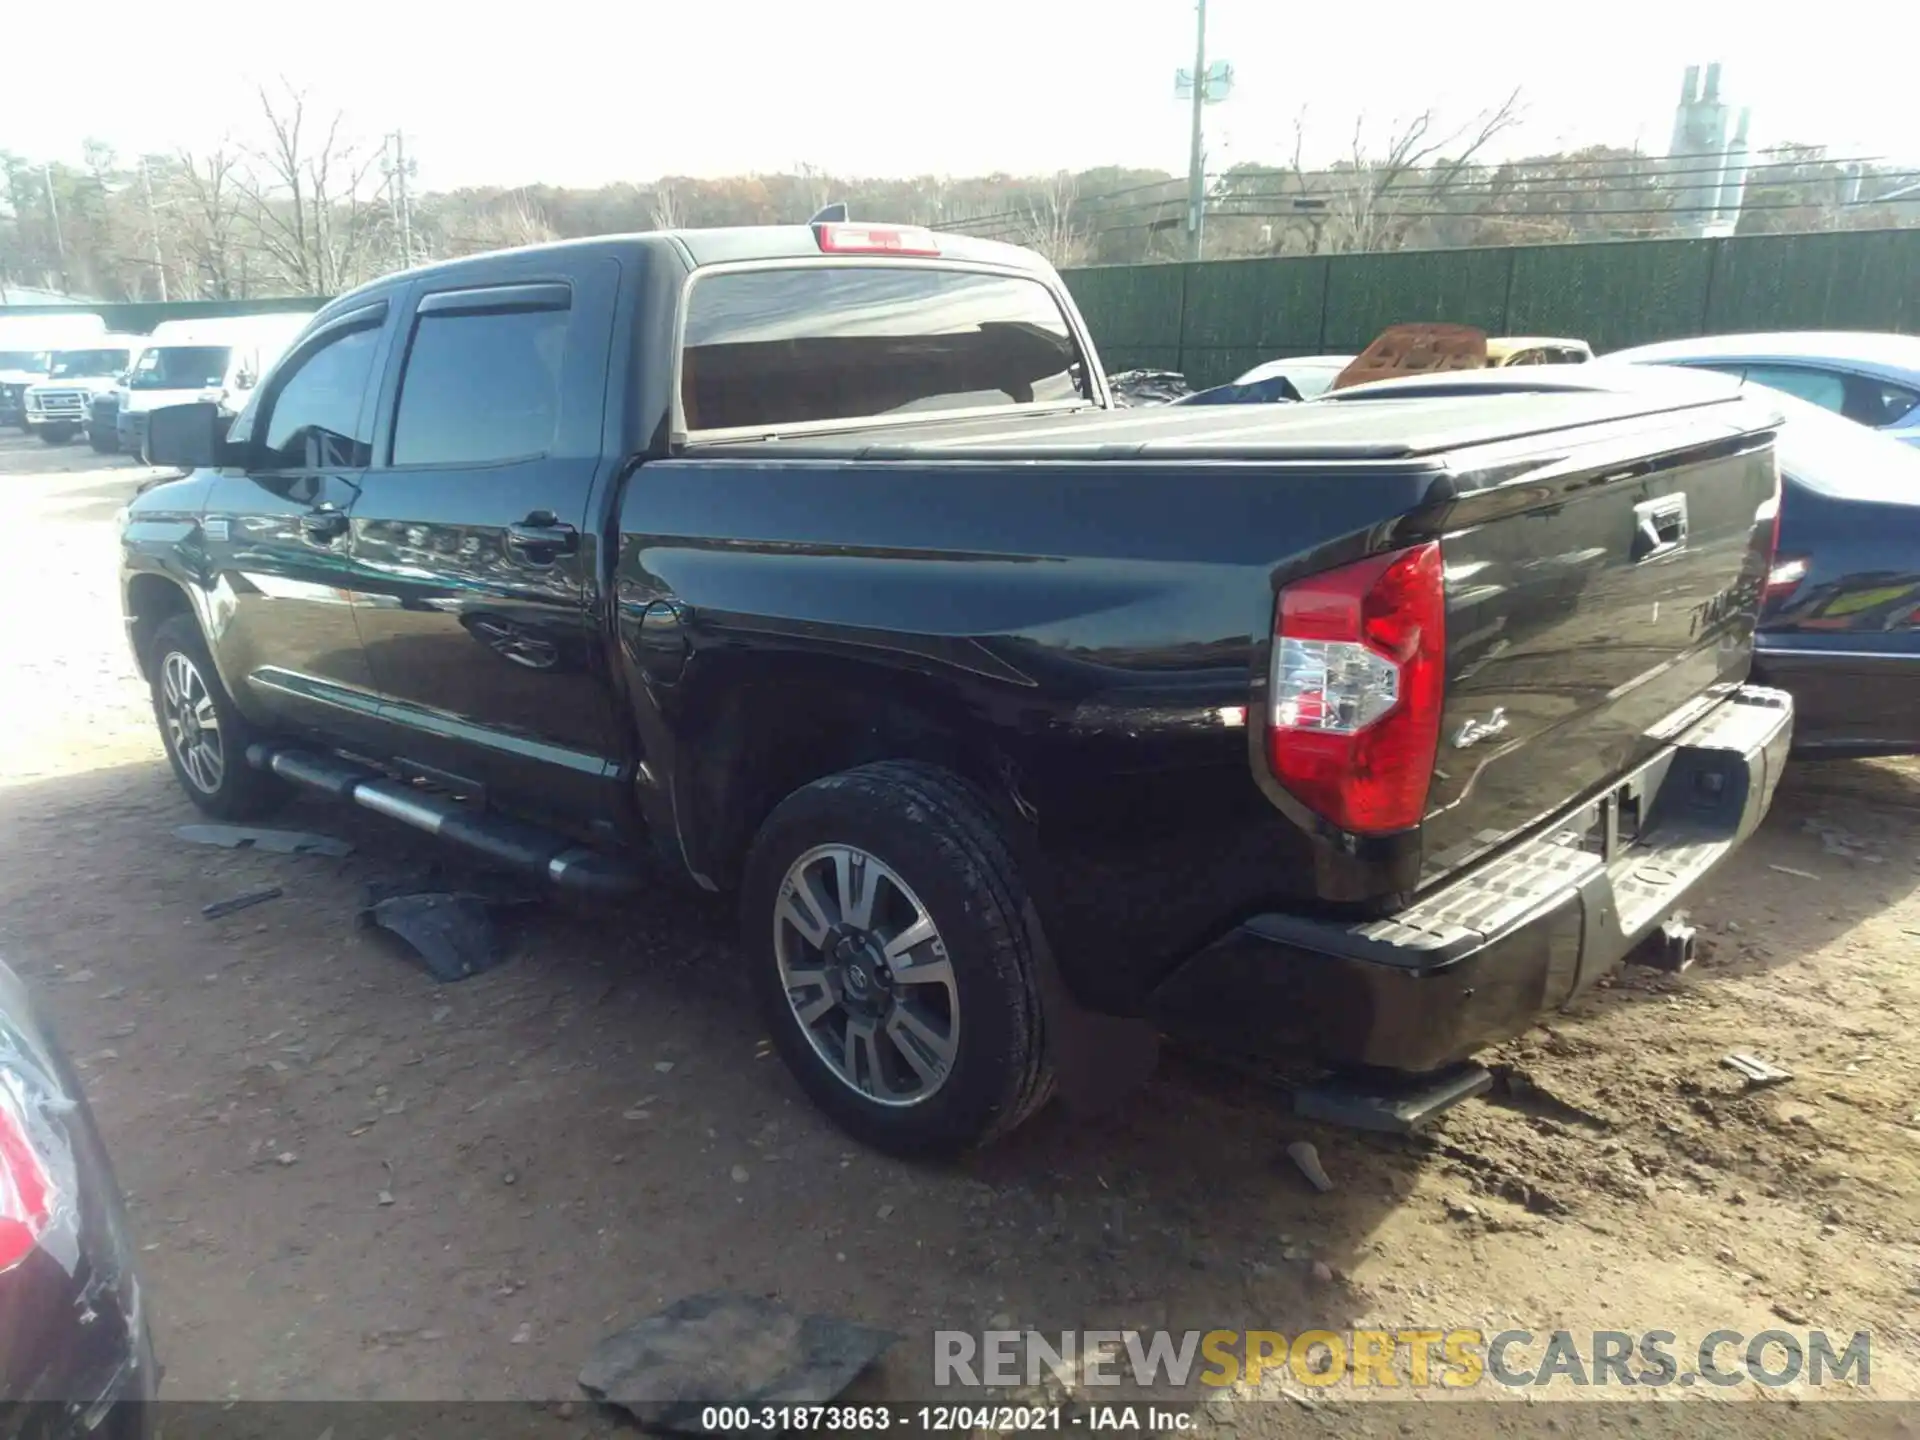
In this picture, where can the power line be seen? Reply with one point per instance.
(1574, 163)
(1494, 204)
(1494, 214)
(1518, 194)
(1645, 180)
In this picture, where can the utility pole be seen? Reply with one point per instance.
(53, 209)
(1197, 160)
(153, 219)
(399, 200)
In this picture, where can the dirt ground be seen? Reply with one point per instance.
(348, 1181)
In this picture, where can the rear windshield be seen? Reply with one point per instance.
(1840, 458)
(31, 360)
(784, 347)
(181, 367)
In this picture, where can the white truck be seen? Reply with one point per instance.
(56, 407)
(189, 361)
(27, 343)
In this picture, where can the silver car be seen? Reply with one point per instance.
(1868, 377)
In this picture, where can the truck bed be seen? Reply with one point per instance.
(1091, 590)
(1304, 432)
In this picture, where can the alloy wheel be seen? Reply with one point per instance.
(867, 975)
(192, 723)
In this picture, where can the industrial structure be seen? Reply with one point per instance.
(1709, 170)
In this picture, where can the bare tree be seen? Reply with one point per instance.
(317, 215)
(210, 234)
(1050, 225)
(1372, 200)
(815, 180)
(666, 209)
(515, 219)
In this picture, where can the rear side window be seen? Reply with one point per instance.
(1878, 404)
(480, 386)
(1816, 387)
(813, 343)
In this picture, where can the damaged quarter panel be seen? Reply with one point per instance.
(1083, 636)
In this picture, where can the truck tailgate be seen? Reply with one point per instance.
(1597, 599)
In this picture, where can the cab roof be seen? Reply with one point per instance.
(722, 245)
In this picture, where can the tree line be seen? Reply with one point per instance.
(305, 204)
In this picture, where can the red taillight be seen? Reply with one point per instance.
(1784, 574)
(838, 239)
(26, 1190)
(1358, 677)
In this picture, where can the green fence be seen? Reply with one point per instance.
(1216, 318)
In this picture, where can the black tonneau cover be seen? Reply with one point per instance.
(1385, 430)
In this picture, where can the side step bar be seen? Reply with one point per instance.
(513, 843)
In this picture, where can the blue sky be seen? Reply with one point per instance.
(582, 92)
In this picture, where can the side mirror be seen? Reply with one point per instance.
(186, 437)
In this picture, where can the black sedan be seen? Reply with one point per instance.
(75, 1358)
(1840, 624)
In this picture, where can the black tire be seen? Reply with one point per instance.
(237, 791)
(936, 833)
(56, 434)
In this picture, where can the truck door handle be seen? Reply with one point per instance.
(1659, 527)
(323, 526)
(542, 537)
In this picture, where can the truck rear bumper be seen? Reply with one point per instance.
(1479, 959)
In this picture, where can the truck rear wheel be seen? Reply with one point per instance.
(886, 928)
(205, 735)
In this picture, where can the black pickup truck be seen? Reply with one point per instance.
(816, 560)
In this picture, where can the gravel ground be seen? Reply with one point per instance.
(349, 1182)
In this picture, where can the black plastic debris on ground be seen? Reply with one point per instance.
(220, 908)
(723, 1349)
(247, 837)
(450, 932)
(1147, 387)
